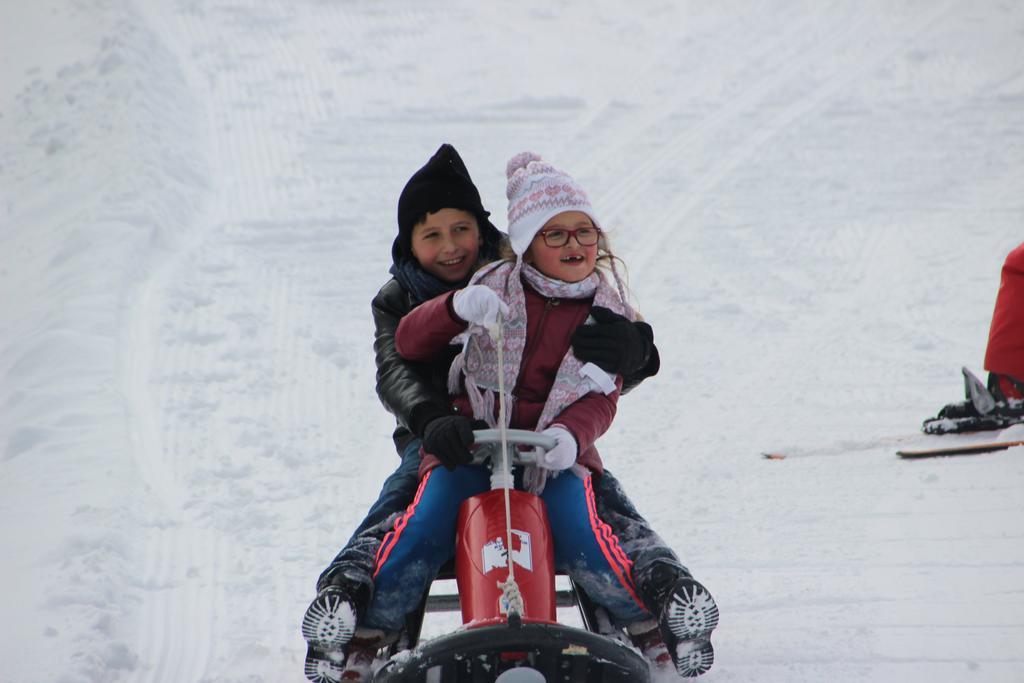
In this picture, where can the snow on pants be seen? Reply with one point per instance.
(354, 564)
(1005, 352)
(423, 539)
(644, 547)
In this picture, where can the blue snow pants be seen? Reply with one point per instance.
(423, 539)
(354, 564)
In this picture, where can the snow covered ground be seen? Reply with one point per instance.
(197, 200)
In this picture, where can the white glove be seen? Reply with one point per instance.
(563, 455)
(479, 304)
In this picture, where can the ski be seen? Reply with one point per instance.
(967, 449)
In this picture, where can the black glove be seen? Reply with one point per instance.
(614, 344)
(449, 438)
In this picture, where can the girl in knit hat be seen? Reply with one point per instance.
(444, 235)
(539, 297)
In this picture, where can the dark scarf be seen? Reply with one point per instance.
(421, 285)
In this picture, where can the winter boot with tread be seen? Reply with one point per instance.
(687, 620)
(328, 626)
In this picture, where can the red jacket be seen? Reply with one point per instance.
(1005, 353)
(424, 332)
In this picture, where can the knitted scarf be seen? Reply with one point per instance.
(478, 361)
(420, 284)
(423, 286)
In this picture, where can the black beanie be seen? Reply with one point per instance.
(442, 183)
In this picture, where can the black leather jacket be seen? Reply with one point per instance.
(416, 393)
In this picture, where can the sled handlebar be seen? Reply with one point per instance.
(490, 442)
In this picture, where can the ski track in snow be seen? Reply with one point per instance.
(813, 203)
(231, 377)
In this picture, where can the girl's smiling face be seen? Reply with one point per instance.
(572, 261)
(447, 244)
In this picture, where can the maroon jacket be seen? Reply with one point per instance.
(425, 331)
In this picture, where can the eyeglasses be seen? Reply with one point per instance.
(559, 237)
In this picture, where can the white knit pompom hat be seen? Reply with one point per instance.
(536, 192)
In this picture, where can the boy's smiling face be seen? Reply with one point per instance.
(447, 244)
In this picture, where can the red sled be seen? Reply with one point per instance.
(499, 641)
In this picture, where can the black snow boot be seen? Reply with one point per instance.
(986, 408)
(687, 620)
(687, 614)
(323, 667)
(328, 626)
